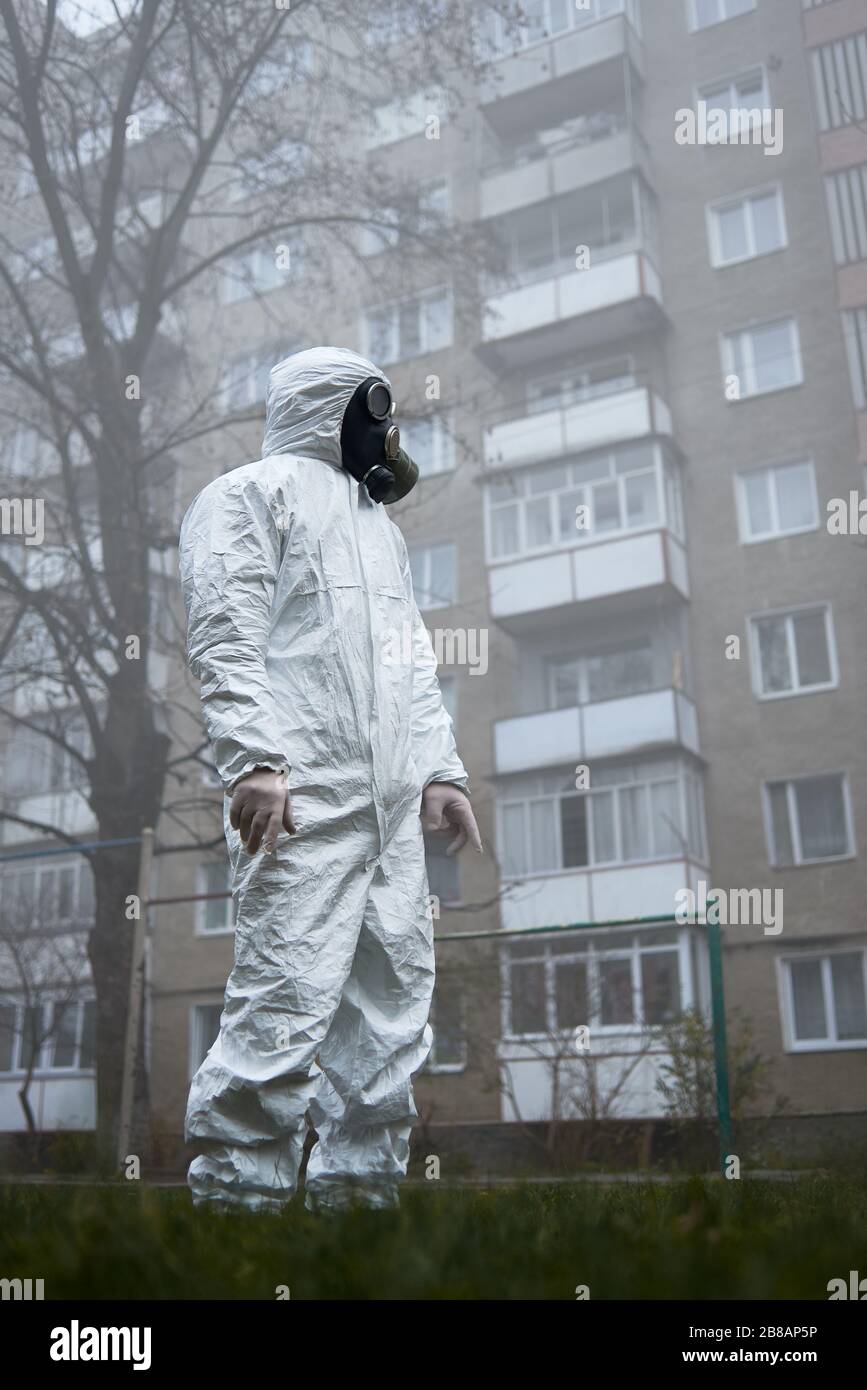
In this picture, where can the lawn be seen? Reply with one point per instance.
(696, 1238)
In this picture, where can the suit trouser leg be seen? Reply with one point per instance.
(299, 914)
(363, 1106)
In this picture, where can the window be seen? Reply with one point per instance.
(808, 819)
(25, 453)
(825, 1001)
(433, 569)
(540, 241)
(855, 334)
(57, 1035)
(260, 269)
(278, 70)
(704, 13)
(425, 211)
(544, 19)
(204, 1031)
(392, 22)
(431, 443)
(282, 165)
(449, 692)
(764, 358)
(745, 99)
(630, 489)
(644, 812)
(603, 980)
(406, 116)
(54, 895)
(580, 679)
(846, 194)
(742, 228)
(418, 325)
(777, 501)
(442, 869)
(793, 653)
(244, 379)
(37, 763)
(840, 81)
(582, 384)
(449, 1050)
(214, 915)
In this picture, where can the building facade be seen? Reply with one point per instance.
(652, 635)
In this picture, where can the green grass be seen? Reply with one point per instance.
(749, 1239)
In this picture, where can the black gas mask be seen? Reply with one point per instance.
(370, 444)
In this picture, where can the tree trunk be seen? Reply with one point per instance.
(126, 799)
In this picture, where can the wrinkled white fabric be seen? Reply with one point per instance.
(312, 657)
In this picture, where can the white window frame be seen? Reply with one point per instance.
(745, 200)
(41, 748)
(794, 827)
(789, 614)
(395, 352)
(742, 505)
(626, 946)
(582, 658)
(727, 356)
(201, 914)
(646, 784)
(732, 80)
(663, 466)
(426, 550)
(442, 440)
(506, 46)
(254, 175)
(253, 272)
(841, 101)
(43, 1068)
(45, 868)
(434, 1068)
(195, 1039)
(854, 323)
(254, 360)
(373, 241)
(846, 198)
(696, 28)
(405, 116)
(791, 1042)
(449, 682)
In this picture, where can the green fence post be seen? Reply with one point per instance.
(720, 1052)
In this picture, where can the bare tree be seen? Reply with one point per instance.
(142, 158)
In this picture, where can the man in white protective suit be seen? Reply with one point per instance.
(321, 700)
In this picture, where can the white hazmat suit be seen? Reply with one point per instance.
(301, 617)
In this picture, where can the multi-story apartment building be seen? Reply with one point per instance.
(628, 449)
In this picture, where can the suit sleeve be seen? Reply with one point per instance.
(229, 559)
(433, 740)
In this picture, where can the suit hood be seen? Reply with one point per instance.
(307, 396)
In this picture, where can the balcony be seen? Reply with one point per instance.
(524, 80)
(606, 419)
(614, 298)
(58, 1102)
(603, 729)
(68, 810)
(620, 892)
(563, 167)
(607, 572)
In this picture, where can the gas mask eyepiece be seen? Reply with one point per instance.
(370, 444)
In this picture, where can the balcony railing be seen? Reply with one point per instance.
(622, 281)
(604, 418)
(523, 591)
(601, 729)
